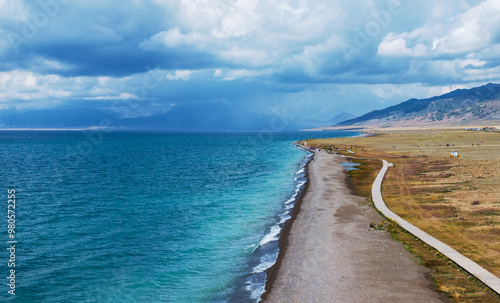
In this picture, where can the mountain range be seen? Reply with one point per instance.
(479, 105)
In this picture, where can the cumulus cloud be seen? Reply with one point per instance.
(29, 86)
(395, 46)
(222, 19)
(179, 75)
(24, 89)
(163, 51)
(473, 30)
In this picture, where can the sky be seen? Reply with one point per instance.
(310, 59)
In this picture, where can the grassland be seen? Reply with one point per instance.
(457, 200)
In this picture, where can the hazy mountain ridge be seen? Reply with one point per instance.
(462, 106)
(341, 118)
(198, 117)
(211, 116)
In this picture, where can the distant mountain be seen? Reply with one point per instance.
(221, 116)
(302, 123)
(216, 116)
(459, 107)
(340, 118)
(212, 116)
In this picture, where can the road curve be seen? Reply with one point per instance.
(470, 266)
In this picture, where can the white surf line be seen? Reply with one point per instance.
(470, 266)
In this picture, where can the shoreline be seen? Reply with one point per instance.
(327, 251)
(272, 272)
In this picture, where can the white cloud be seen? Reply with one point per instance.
(238, 21)
(13, 11)
(387, 91)
(179, 75)
(26, 85)
(240, 73)
(313, 57)
(458, 68)
(394, 45)
(308, 22)
(235, 74)
(122, 96)
(471, 31)
(250, 56)
(35, 87)
(318, 50)
(249, 32)
(173, 38)
(220, 18)
(439, 11)
(284, 45)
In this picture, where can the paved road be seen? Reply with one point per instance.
(470, 266)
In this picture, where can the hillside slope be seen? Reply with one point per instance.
(459, 107)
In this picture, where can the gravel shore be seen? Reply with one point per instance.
(328, 253)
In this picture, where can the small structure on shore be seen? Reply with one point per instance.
(454, 154)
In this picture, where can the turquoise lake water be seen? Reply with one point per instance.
(146, 216)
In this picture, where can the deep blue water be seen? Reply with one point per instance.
(146, 216)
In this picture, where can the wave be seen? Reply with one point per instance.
(256, 290)
(257, 283)
(302, 170)
(269, 245)
(272, 235)
(290, 200)
(284, 217)
(266, 262)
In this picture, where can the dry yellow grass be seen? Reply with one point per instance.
(457, 200)
(445, 275)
